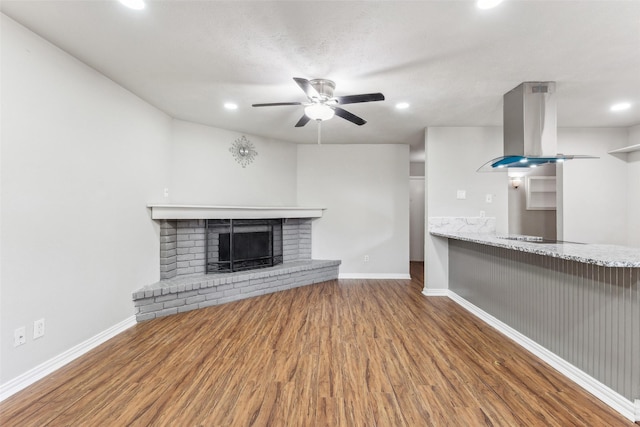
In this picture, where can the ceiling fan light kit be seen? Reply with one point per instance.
(319, 112)
(322, 105)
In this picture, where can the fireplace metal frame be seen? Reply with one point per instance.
(273, 227)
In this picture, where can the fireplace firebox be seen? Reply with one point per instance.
(242, 244)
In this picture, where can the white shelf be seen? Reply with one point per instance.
(541, 193)
(628, 149)
(232, 212)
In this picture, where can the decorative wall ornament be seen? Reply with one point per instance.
(243, 151)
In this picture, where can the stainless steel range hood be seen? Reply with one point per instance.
(530, 128)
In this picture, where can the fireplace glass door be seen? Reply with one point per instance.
(242, 244)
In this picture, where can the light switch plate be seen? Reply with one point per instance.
(462, 194)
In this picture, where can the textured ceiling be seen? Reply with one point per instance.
(451, 61)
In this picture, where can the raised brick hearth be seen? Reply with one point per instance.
(191, 292)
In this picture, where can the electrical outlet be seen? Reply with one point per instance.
(19, 336)
(366, 258)
(166, 192)
(38, 328)
(482, 214)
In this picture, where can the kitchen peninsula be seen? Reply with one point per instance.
(601, 255)
(577, 306)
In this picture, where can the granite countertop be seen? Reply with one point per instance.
(603, 255)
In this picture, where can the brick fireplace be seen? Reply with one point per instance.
(183, 245)
(184, 283)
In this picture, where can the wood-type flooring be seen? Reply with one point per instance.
(339, 353)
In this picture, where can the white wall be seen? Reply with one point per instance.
(366, 193)
(633, 182)
(595, 192)
(81, 157)
(416, 169)
(203, 170)
(453, 154)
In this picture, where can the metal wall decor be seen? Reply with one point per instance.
(243, 151)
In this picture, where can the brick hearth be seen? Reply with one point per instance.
(192, 292)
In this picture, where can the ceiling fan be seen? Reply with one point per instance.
(322, 105)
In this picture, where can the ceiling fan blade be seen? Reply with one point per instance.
(303, 121)
(275, 104)
(305, 85)
(366, 97)
(349, 116)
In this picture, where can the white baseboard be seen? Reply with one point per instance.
(374, 276)
(616, 401)
(435, 292)
(31, 376)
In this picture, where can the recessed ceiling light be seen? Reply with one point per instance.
(487, 4)
(133, 4)
(621, 106)
(402, 105)
(230, 106)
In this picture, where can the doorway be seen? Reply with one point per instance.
(416, 218)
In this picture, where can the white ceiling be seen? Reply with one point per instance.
(451, 61)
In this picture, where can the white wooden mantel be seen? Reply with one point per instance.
(231, 212)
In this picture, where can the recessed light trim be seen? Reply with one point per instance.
(620, 106)
(134, 4)
(487, 4)
(230, 106)
(402, 105)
